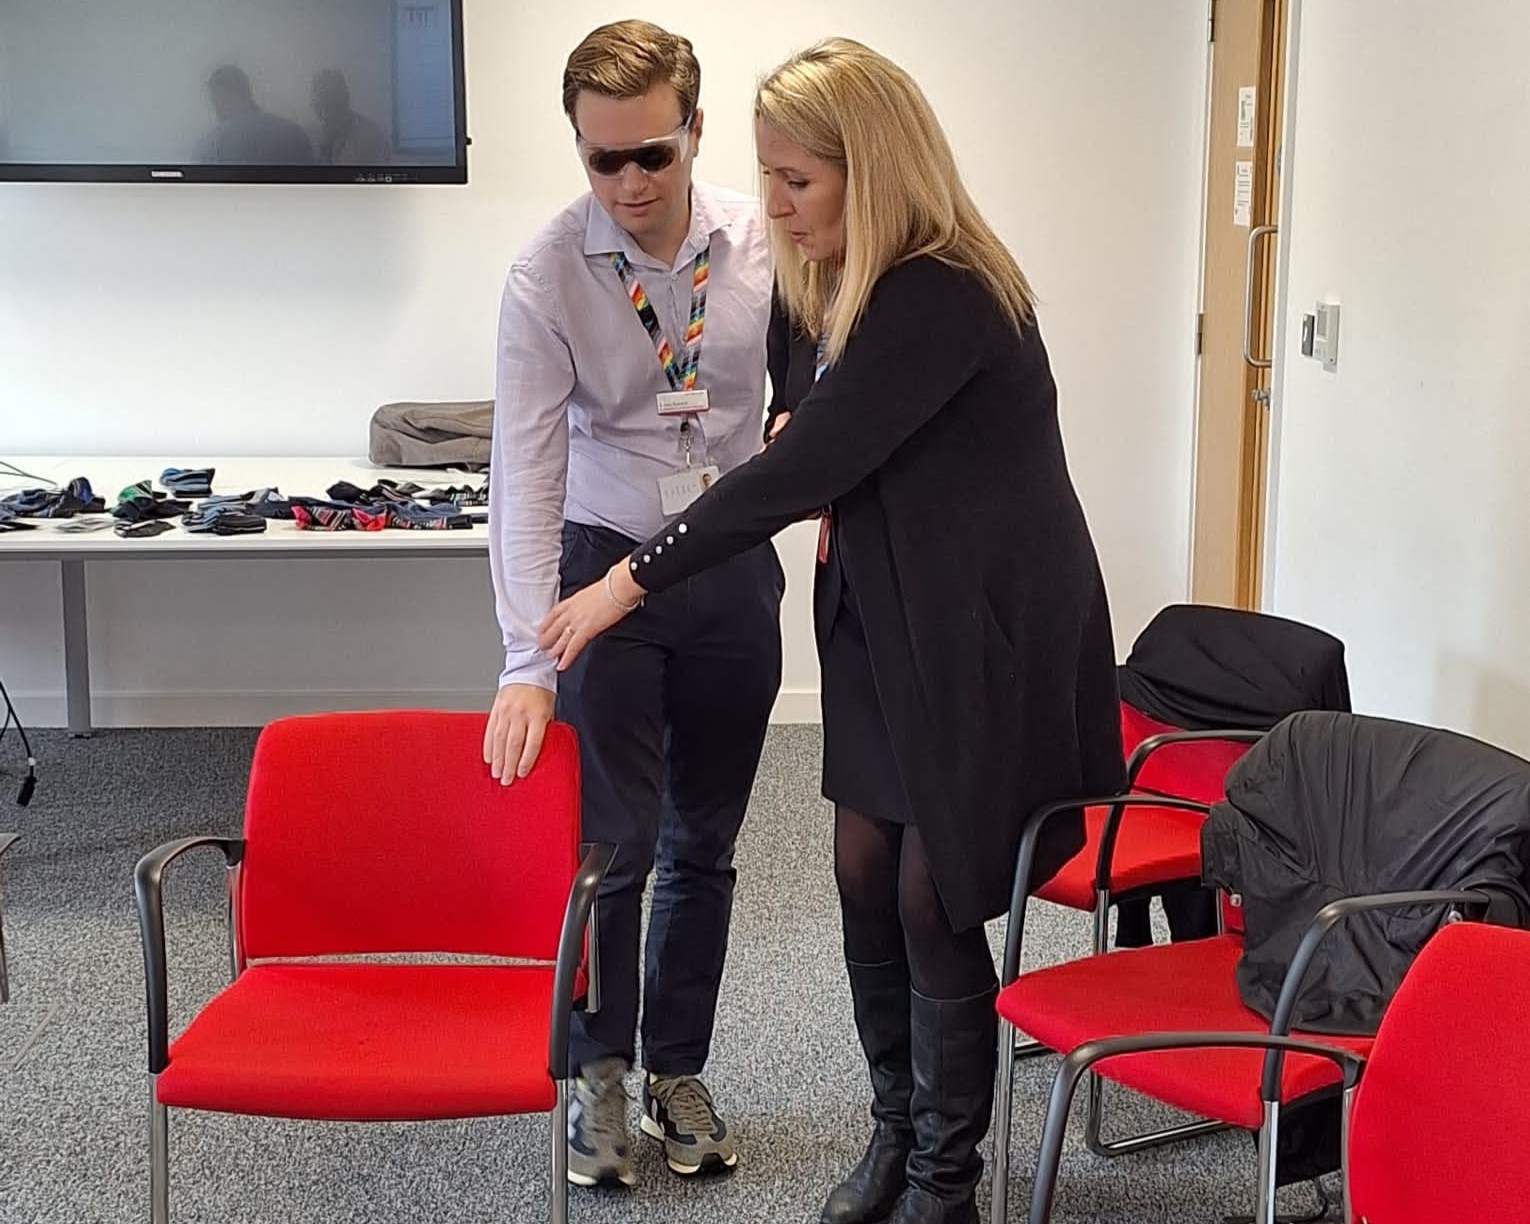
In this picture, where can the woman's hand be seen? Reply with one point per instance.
(780, 423)
(581, 618)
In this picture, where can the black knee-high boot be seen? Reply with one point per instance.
(954, 1056)
(881, 995)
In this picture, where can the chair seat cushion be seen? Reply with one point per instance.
(1155, 846)
(1167, 988)
(369, 1042)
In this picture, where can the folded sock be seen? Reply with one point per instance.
(269, 504)
(188, 482)
(426, 518)
(139, 502)
(345, 491)
(384, 492)
(460, 495)
(232, 522)
(315, 516)
(222, 519)
(237, 500)
(143, 529)
(77, 497)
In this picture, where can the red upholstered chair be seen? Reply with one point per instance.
(374, 846)
(1327, 805)
(1200, 685)
(1137, 851)
(1439, 1126)
(1224, 676)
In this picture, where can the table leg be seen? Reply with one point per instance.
(76, 648)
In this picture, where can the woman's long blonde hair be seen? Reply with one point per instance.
(844, 103)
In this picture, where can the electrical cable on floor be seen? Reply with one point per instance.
(29, 783)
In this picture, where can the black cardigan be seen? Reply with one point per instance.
(935, 438)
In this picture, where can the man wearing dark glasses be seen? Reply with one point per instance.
(631, 376)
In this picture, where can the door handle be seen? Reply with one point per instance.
(1254, 235)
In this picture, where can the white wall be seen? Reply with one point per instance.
(169, 320)
(1403, 521)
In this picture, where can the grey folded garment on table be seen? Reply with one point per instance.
(452, 434)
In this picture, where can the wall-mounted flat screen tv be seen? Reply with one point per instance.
(232, 91)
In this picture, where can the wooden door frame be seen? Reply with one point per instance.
(1280, 339)
(1245, 574)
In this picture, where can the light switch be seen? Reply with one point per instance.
(1325, 335)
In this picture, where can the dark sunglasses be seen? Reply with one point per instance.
(649, 156)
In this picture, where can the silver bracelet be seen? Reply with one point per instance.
(619, 605)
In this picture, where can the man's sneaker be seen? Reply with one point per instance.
(597, 1126)
(678, 1110)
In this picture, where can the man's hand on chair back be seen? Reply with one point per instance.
(517, 723)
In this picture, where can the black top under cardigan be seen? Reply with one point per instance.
(935, 439)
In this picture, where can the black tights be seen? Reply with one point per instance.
(891, 910)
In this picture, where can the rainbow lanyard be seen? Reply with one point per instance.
(681, 378)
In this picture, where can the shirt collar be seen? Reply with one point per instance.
(603, 236)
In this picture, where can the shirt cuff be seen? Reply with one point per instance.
(542, 673)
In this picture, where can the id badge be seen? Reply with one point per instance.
(677, 403)
(679, 489)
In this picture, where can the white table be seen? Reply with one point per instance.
(294, 477)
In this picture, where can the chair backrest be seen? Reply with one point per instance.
(1441, 1124)
(1331, 805)
(383, 832)
(1197, 667)
(1188, 771)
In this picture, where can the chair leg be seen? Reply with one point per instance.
(558, 1191)
(1101, 922)
(231, 917)
(1269, 1135)
(1318, 1214)
(1094, 1116)
(5, 977)
(1349, 1104)
(159, 1159)
(1003, 1105)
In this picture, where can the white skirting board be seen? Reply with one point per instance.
(255, 709)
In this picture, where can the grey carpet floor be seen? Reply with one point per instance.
(785, 1068)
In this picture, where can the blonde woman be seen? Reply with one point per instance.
(968, 669)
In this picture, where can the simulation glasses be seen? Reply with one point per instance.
(649, 156)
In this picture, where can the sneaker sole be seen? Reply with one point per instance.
(710, 1163)
(613, 1179)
